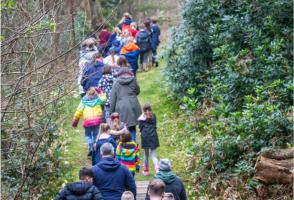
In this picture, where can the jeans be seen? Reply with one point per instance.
(132, 130)
(91, 134)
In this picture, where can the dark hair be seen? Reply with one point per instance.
(147, 24)
(154, 20)
(122, 62)
(85, 172)
(104, 127)
(142, 26)
(126, 137)
(107, 69)
(156, 187)
(146, 107)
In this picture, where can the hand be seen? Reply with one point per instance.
(98, 90)
(74, 124)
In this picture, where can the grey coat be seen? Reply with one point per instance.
(124, 100)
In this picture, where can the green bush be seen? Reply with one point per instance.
(233, 60)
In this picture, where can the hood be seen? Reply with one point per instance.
(166, 176)
(125, 80)
(90, 101)
(116, 43)
(128, 21)
(129, 148)
(78, 188)
(129, 48)
(108, 164)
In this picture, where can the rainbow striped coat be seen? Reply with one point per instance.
(128, 154)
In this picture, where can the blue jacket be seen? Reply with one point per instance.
(132, 58)
(113, 178)
(155, 36)
(143, 40)
(91, 75)
(96, 156)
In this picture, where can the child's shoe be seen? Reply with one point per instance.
(146, 170)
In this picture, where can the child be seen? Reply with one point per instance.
(127, 195)
(156, 189)
(84, 189)
(103, 137)
(90, 109)
(168, 196)
(127, 153)
(117, 127)
(105, 83)
(149, 138)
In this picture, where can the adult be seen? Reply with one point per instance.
(134, 29)
(92, 74)
(155, 189)
(155, 39)
(124, 99)
(82, 190)
(143, 40)
(125, 22)
(111, 177)
(131, 51)
(173, 183)
(112, 58)
(115, 36)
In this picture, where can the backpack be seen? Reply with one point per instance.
(144, 40)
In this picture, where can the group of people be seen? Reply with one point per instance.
(111, 113)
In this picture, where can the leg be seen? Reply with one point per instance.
(88, 135)
(154, 159)
(132, 129)
(145, 61)
(146, 163)
(95, 132)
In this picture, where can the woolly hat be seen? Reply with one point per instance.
(128, 21)
(164, 165)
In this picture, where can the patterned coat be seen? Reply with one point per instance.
(105, 83)
(128, 154)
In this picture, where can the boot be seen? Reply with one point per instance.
(146, 170)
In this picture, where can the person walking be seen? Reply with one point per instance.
(149, 137)
(124, 99)
(82, 190)
(111, 177)
(91, 110)
(155, 40)
(143, 40)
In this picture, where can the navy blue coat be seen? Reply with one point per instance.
(96, 156)
(91, 75)
(143, 40)
(132, 58)
(155, 36)
(113, 178)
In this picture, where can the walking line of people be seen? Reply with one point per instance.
(111, 113)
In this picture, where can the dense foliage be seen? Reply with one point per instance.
(232, 61)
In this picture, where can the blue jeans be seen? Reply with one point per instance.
(132, 130)
(91, 134)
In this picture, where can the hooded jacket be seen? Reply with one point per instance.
(128, 154)
(131, 51)
(90, 109)
(79, 191)
(143, 40)
(148, 129)
(124, 99)
(113, 178)
(91, 75)
(173, 184)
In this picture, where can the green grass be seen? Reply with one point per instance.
(152, 91)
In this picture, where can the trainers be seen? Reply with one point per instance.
(90, 153)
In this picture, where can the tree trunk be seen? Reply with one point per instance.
(275, 171)
(96, 17)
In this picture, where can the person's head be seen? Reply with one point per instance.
(147, 24)
(142, 27)
(122, 61)
(88, 44)
(147, 110)
(133, 25)
(104, 26)
(107, 69)
(130, 39)
(127, 195)
(115, 117)
(111, 51)
(107, 150)
(126, 137)
(127, 15)
(86, 175)
(154, 19)
(164, 165)
(91, 92)
(104, 128)
(156, 189)
(117, 31)
(168, 196)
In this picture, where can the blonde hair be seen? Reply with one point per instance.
(91, 91)
(127, 195)
(104, 127)
(117, 30)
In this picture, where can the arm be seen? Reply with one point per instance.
(118, 152)
(77, 115)
(120, 132)
(130, 182)
(96, 193)
(112, 99)
(60, 195)
(137, 87)
(137, 159)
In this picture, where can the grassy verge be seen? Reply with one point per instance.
(152, 91)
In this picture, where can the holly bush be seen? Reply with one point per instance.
(236, 57)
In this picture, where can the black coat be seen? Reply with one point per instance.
(79, 191)
(149, 137)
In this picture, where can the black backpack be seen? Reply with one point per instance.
(144, 40)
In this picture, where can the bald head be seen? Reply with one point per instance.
(107, 150)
